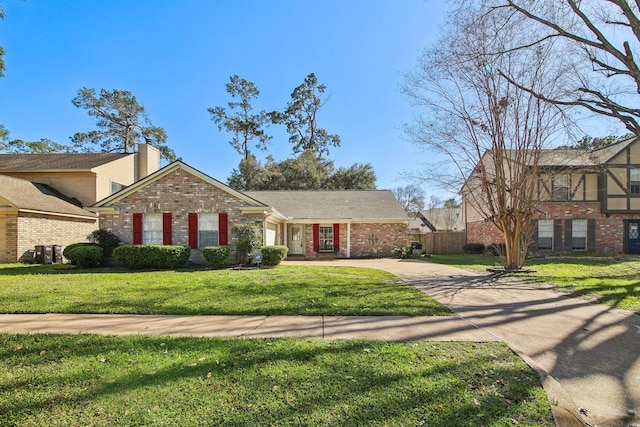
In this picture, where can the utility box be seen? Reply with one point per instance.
(44, 254)
(57, 254)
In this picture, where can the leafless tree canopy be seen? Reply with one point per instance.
(489, 131)
(598, 43)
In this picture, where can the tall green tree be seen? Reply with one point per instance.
(301, 118)
(359, 176)
(240, 119)
(122, 123)
(307, 171)
(44, 145)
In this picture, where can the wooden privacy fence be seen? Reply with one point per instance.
(442, 242)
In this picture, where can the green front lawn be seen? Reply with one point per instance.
(609, 280)
(64, 380)
(285, 290)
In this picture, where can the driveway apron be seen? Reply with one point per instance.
(588, 355)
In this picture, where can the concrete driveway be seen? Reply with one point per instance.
(588, 355)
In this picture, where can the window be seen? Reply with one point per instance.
(326, 238)
(560, 187)
(152, 229)
(579, 235)
(208, 229)
(545, 234)
(115, 187)
(634, 181)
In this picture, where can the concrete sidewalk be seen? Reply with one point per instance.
(386, 328)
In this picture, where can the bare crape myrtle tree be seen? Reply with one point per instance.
(488, 132)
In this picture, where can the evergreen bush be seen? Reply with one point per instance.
(152, 256)
(217, 256)
(273, 255)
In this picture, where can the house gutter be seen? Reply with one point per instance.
(47, 213)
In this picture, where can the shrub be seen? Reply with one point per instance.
(152, 256)
(273, 255)
(89, 256)
(402, 252)
(217, 256)
(68, 248)
(105, 239)
(249, 241)
(473, 248)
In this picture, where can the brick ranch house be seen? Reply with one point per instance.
(588, 201)
(58, 199)
(181, 205)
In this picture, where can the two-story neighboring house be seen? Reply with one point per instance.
(42, 195)
(587, 201)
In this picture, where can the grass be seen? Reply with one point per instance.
(286, 290)
(614, 281)
(60, 380)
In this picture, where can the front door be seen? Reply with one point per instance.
(633, 236)
(296, 240)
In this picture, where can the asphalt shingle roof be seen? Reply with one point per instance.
(24, 194)
(56, 161)
(340, 204)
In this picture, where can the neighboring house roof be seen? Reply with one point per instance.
(55, 161)
(443, 219)
(30, 196)
(171, 167)
(360, 205)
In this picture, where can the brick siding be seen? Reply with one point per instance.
(24, 233)
(367, 240)
(609, 227)
(179, 193)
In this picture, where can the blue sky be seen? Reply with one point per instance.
(176, 58)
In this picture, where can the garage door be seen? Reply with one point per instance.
(3, 239)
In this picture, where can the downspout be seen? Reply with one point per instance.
(349, 239)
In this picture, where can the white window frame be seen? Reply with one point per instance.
(579, 234)
(152, 229)
(545, 231)
(208, 229)
(325, 238)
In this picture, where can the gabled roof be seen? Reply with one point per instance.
(29, 196)
(363, 205)
(171, 167)
(56, 161)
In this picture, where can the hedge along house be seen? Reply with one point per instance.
(33, 214)
(183, 206)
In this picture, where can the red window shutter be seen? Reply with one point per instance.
(193, 230)
(336, 237)
(316, 237)
(167, 237)
(223, 229)
(137, 228)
